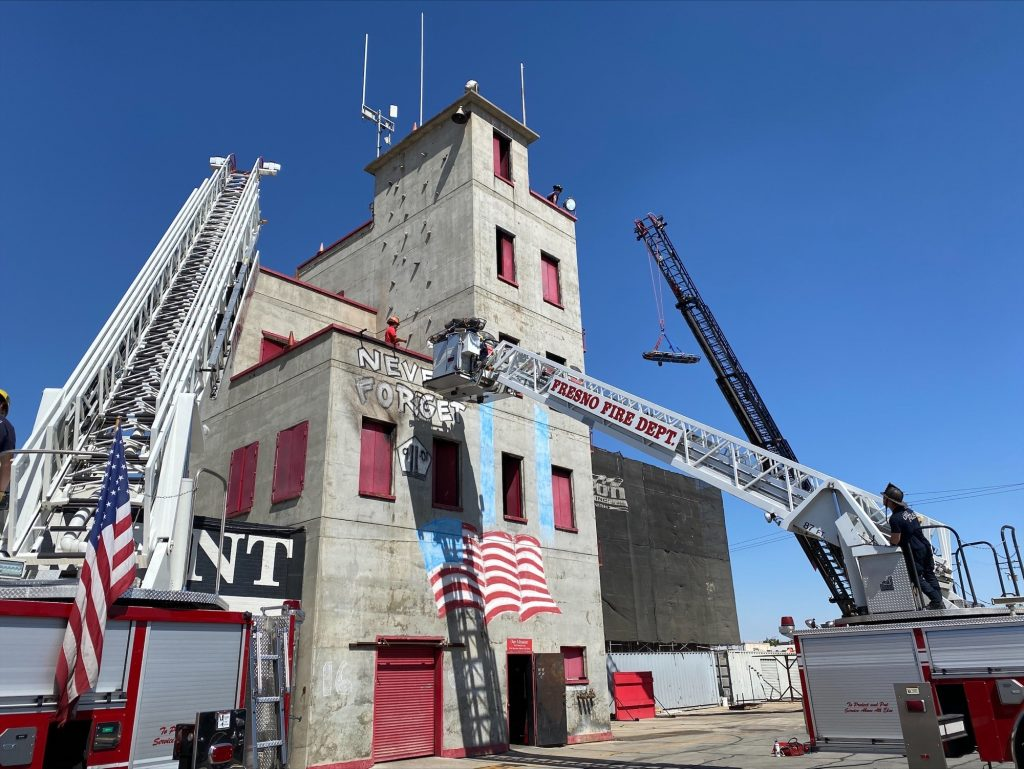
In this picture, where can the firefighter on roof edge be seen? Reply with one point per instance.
(907, 533)
(391, 335)
(7, 440)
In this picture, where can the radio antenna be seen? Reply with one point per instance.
(385, 126)
(421, 69)
(522, 87)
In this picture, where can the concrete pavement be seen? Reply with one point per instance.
(713, 737)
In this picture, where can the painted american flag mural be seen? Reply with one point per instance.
(497, 573)
(108, 570)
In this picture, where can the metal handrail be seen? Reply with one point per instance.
(956, 560)
(1009, 560)
(995, 558)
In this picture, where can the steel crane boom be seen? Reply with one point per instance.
(739, 390)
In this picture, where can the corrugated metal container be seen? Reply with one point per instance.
(681, 679)
(760, 677)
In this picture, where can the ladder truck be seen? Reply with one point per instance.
(168, 654)
(970, 657)
(739, 391)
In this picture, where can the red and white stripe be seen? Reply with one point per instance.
(457, 585)
(533, 583)
(108, 570)
(499, 574)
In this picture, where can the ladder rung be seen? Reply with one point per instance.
(59, 556)
(269, 699)
(269, 744)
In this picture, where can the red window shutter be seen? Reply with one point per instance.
(234, 481)
(446, 473)
(549, 276)
(502, 156)
(506, 256)
(561, 493)
(241, 480)
(512, 485)
(290, 463)
(247, 492)
(375, 458)
(574, 658)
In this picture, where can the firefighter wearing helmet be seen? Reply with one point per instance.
(917, 550)
(6, 445)
(391, 336)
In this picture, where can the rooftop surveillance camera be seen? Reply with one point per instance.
(472, 85)
(460, 116)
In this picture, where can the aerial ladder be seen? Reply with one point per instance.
(469, 366)
(739, 391)
(162, 351)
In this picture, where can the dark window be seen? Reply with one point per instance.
(561, 494)
(242, 479)
(555, 358)
(375, 459)
(446, 473)
(506, 257)
(575, 659)
(512, 487)
(549, 279)
(502, 156)
(508, 338)
(290, 463)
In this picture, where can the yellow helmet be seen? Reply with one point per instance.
(6, 398)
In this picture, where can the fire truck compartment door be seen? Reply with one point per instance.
(31, 646)
(849, 681)
(189, 667)
(959, 650)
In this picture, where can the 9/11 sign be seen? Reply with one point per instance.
(647, 428)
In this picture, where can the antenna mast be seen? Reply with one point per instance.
(385, 127)
(522, 87)
(421, 70)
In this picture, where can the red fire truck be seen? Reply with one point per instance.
(166, 657)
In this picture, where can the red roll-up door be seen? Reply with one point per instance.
(405, 702)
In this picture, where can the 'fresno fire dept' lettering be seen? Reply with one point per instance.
(645, 427)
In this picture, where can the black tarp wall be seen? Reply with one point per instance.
(665, 571)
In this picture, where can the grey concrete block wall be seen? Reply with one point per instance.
(280, 305)
(365, 575)
(429, 255)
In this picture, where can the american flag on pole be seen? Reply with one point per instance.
(495, 574)
(108, 570)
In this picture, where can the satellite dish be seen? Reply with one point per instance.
(570, 204)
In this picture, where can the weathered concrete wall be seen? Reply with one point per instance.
(408, 262)
(281, 305)
(295, 387)
(429, 255)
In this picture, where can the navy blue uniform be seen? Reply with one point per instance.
(6, 436)
(917, 549)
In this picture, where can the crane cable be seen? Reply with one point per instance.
(658, 288)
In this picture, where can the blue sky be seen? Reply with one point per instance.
(844, 182)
